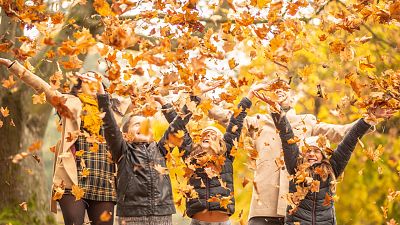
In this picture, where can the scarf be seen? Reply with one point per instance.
(90, 116)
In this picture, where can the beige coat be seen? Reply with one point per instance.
(65, 169)
(273, 183)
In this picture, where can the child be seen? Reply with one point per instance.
(316, 170)
(144, 196)
(211, 164)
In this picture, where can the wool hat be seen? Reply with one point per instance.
(319, 142)
(212, 128)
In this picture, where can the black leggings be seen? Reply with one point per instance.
(74, 211)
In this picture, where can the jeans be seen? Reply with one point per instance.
(267, 221)
(198, 222)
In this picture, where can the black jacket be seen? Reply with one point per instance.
(311, 209)
(212, 187)
(141, 190)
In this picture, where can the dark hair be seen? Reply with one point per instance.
(75, 89)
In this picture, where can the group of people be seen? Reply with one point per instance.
(144, 196)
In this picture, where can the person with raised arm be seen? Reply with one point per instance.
(81, 162)
(314, 167)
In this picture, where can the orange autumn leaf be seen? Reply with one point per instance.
(77, 192)
(328, 200)
(4, 111)
(35, 146)
(232, 63)
(8, 83)
(39, 99)
(103, 8)
(293, 140)
(106, 216)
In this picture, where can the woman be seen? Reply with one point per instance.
(210, 162)
(315, 168)
(82, 161)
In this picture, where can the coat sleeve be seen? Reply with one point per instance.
(177, 124)
(112, 133)
(170, 113)
(235, 125)
(291, 152)
(341, 156)
(334, 133)
(220, 114)
(37, 83)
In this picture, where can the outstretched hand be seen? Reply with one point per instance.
(373, 115)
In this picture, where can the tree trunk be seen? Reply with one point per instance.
(25, 181)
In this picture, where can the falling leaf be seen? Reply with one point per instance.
(24, 206)
(77, 192)
(161, 170)
(85, 172)
(293, 140)
(232, 63)
(4, 111)
(106, 216)
(94, 148)
(79, 153)
(39, 99)
(9, 83)
(35, 146)
(328, 200)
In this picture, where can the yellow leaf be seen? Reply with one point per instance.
(77, 192)
(39, 99)
(58, 193)
(94, 148)
(79, 153)
(232, 63)
(85, 172)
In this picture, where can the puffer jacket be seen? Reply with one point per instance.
(141, 189)
(209, 187)
(312, 209)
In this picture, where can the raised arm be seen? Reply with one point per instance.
(333, 132)
(112, 133)
(235, 126)
(291, 152)
(341, 156)
(37, 83)
(178, 124)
